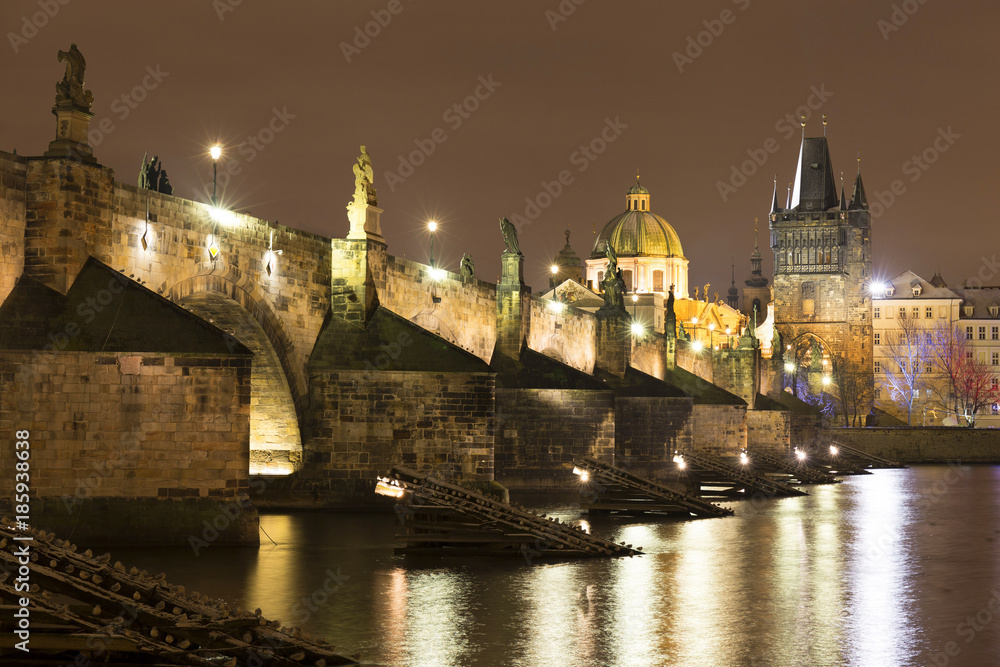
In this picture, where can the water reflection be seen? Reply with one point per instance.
(879, 570)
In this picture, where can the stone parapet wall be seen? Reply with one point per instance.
(540, 432)
(461, 311)
(566, 335)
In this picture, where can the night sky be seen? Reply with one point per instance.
(891, 83)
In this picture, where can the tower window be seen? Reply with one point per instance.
(808, 299)
(643, 205)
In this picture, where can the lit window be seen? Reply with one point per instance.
(929, 312)
(982, 333)
(877, 313)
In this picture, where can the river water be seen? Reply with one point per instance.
(901, 567)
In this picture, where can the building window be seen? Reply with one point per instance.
(968, 333)
(916, 312)
(878, 366)
(968, 356)
(929, 312)
(995, 383)
(878, 393)
(657, 281)
(996, 358)
(902, 312)
(995, 333)
(928, 368)
(808, 298)
(600, 277)
(878, 338)
(982, 333)
(627, 275)
(877, 313)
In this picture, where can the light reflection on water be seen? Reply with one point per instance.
(880, 570)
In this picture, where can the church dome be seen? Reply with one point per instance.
(638, 232)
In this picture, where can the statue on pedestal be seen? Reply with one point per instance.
(613, 283)
(509, 232)
(364, 177)
(71, 89)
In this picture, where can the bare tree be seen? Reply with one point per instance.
(855, 389)
(968, 385)
(908, 351)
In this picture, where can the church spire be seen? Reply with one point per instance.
(858, 200)
(814, 188)
(774, 198)
(843, 199)
(788, 197)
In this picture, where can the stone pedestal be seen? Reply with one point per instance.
(613, 342)
(357, 273)
(513, 306)
(72, 126)
(365, 222)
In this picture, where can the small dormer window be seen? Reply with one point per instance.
(968, 310)
(994, 310)
(890, 290)
(916, 290)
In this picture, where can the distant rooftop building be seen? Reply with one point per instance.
(648, 249)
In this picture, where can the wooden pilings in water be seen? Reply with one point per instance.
(608, 488)
(717, 478)
(443, 518)
(81, 604)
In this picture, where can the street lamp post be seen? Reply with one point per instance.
(432, 227)
(555, 284)
(635, 300)
(711, 335)
(216, 153)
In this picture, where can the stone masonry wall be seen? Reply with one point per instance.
(649, 430)
(13, 178)
(569, 333)
(426, 421)
(540, 432)
(121, 425)
(938, 444)
(461, 311)
(769, 430)
(720, 430)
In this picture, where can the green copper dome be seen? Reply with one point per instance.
(638, 190)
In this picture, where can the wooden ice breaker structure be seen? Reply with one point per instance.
(84, 605)
(607, 488)
(442, 518)
(720, 480)
(862, 459)
(790, 467)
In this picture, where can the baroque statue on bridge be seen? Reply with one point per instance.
(468, 269)
(509, 232)
(364, 178)
(71, 88)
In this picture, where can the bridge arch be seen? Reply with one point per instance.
(224, 297)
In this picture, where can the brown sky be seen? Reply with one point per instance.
(225, 69)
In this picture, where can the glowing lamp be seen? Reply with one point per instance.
(388, 487)
(826, 380)
(790, 367)
(833, 450)
(711, 327)
(744, 459)
(432, 226)
(800, 454)
(696, 346)
(213, 247)
(637, 329)
(582, 474)
(438, 274)
(215, 151)
(554, 269)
